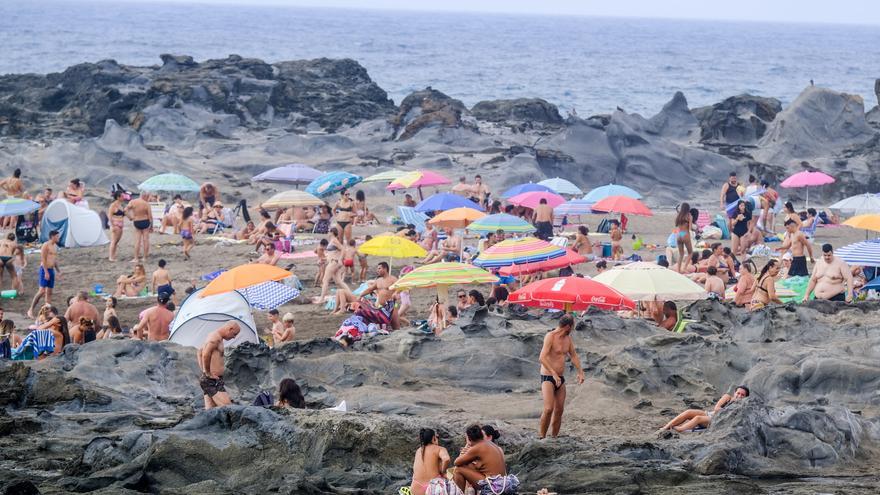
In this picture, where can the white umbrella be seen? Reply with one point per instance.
(561, 186)
(859, 204)
(642, 281)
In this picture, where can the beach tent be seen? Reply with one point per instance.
(79, 227)
(199, 316)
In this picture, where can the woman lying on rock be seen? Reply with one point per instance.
(696, 418)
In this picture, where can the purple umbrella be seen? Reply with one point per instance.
(295, 173)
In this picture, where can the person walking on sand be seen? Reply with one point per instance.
(557, 344)
(429, 464)
(210, 357)
(832, 278)
(187, 230)
(798, 243)
(683, 233)
(138, 210)
(543, 220)
(160, 281)
(48, 269)
(334, 269)
(9, 249)
(116, 215)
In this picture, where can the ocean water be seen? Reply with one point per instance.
(589, 64)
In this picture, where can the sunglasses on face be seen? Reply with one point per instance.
(461, 296)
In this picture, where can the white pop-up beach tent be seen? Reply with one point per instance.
(199, 316)
(79, 227)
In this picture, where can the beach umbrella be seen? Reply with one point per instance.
(602, 192)
(418, 180)
(332, 182)
(859, 204)
(533, 199)
(642, 281)
(574, 207)
(503, 222)
(169, 183)
(446, 201)
(242, 277)
(570, 258)
(524, 188)
(290, 198)
(387, 176)
(516, 251)
(456, 218)
(442, 275)
(807, 179)
(622, 204)
(269, 295)
(866, 222)
(13, 207)
(561, 186)
(295, 173)
(392, 246)
(570, 294)
(865, 253)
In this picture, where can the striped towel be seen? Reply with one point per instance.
(39, 341)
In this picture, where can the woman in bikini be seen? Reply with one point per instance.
(582, 244)
(429, 465)
(765, 287)
(683, 233)
(186, 231)
(131, 285)
(116, 215)
(363, 214)
(49, 319)
(75, 191)
(334, 270)
(344, 211)
(212, 219)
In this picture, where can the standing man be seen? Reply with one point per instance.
(462, 188)
(729, 194)
(210, 357)
(481, 191)
(832, 278)
(276, 328)
(797, 242)
(557, 344)
(156, 320)
(48, 267)
(82, 308)
(12, 186)
(141, 217)
(543, 220)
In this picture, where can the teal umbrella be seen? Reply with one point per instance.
(169, 183)
(14, 207)
(332, 182)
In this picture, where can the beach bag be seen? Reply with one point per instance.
(662, 258)
(604, 226)
(264, 399)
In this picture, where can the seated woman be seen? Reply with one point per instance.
(859, 278)
(363, 215)
(83, 331)
(745, 286)
(244, 233)
(7, 332)
(75, 192)
(131, 285)
(765, 287)
(441, 317)
(265, 219)
(213, 219)
(110, 328)
(694, 418)
(290, 395)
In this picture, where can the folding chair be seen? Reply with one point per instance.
(409, 215)
(157, 210)
(810, 231)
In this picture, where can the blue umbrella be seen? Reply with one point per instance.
(865, 253)
(14, 207)
(561, 186)
(524, 188)
(295, 173)
(446, 201)
(603, 192)
(332, 182)
(269, 295)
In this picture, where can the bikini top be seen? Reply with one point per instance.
(344, 209)
(119, 213)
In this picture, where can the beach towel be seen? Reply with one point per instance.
(36, 343)
(299, 255)
(372, 314)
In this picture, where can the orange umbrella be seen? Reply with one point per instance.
(456, 218)
(242, 277)
(622, 204)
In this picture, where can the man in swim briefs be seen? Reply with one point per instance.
(210, 357)
(557, 345)
(797, 242)
(832, 278)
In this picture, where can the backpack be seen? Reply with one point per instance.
(264, 399)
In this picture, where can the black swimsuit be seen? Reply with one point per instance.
(548, 378)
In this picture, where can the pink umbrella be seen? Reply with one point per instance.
(807, 179)
(418, 179)
(533, 199)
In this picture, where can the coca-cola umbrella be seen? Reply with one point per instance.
(570, 294)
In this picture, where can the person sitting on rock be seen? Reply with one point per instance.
(481, 464)
(290, 395)
(697, 418)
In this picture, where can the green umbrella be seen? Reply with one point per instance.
(169, 183)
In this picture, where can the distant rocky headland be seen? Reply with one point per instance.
(233, 117)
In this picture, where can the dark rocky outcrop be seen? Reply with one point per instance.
(427, 108)
(675, 121)
(533, 110)
(738, 120)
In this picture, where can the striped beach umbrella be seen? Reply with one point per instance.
(602, 192)
(524, 188)
(516, 251)
(570, 258)
(12, 207)
(503, 222)
(290, 198)
(387, 176)
(332, 182)
(865, 253)
(561, 186)
(574, 207)
(169, 183)
(444, 274)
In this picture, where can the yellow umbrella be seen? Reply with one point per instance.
(392, 246)
(387, 176)
(290, 198)
(442, 275)
(867, 222)
(244, 276)
(456, 218)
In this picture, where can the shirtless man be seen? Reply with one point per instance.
(430, 462)
(8, 249)
(463, 188)
(275, 326)
(161, 280)
(82, 308)
(543, 220)
(667, 316)
(450, 249)
(13, 186)
(286, 333)
(270, 255)
(832, 278)
(481, 191)
(156, 321)
(714, 285)
(481, 465)
(210, 357)
(797, 242)
(141, 216)
(557, 344)
(48, 268)
(384, 311)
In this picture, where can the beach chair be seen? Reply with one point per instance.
(409, 215)
(157, 210)
(559, 241)
(703, 219)
(683, 321)
(810, 231)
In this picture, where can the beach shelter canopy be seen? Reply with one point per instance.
(13, 207)
(444, 274)
(456, 218)
(865, 253)
(574, 207)
(169, 183)
(199, 316)
(295, 173)
(79, 227)
(290, 198)
(867, 222)
(515, 251)
(858, 205)
(387, 176)
(533, 199)
(570, 294)
(332, 182)
(570, 258)
(392, 246)
(524, 188)
(446, 201)
(602, 192)
(418, 179)
(622, 204)
(643, 281)
(501, 221)
(269, 295)
(244, 276)
(561, 186)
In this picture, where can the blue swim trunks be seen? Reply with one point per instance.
(44, 283)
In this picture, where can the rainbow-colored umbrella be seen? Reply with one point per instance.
(515, 251)
(501, 221)
(332, 182)
(419, 178)
(444, 274)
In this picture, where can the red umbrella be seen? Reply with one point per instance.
(570, 294)
(570, 258)
(622, 204)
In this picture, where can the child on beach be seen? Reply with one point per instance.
(362, 259)
(321, 251)
(187, 230)
(161, 281)
(616, 237)
(714, 285)
(348, 256)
